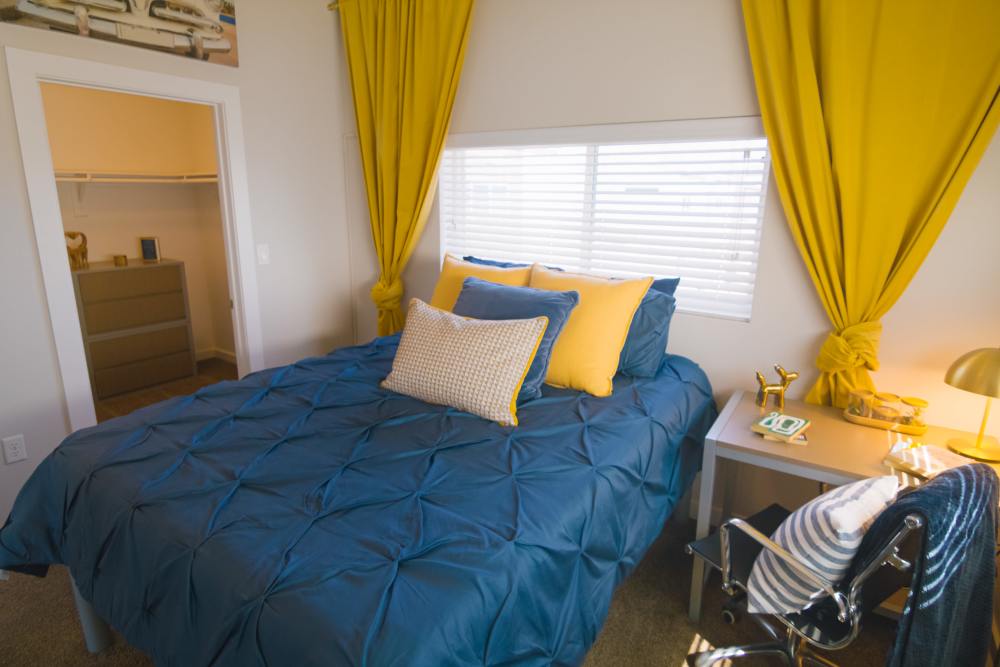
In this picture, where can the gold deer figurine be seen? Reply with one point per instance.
(775, 389)
(76, 248)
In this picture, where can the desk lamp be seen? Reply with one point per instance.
(978, 372)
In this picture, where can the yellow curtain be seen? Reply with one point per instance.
(405, 59)
(877, 112)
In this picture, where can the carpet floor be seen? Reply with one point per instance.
(647, 624)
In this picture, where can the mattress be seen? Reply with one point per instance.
(305, 516)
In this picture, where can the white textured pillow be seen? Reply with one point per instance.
(825, 533)
(473, 365)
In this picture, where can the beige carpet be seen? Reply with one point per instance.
(647, 625)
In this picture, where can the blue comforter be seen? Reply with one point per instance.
(304, 516)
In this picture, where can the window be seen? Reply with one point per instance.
(683, 207)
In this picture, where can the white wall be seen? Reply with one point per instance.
(290, 89)
(565, 62)
(187, 222)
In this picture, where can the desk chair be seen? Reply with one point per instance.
(831, 623)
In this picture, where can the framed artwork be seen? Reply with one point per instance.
(202, 29)
(149, 248)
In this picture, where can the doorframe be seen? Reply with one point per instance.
(27, 70)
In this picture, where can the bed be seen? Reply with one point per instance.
(305, 516)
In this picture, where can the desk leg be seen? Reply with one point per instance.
(704, 515)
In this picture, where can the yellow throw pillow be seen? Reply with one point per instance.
(586, 354)
(455, 271)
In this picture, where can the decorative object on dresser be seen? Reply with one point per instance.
(787, 377)
(149, 248)
(120, 260)
(76, 248)
(977, 372)
(136, 325)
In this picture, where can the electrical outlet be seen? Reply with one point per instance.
(14, 449)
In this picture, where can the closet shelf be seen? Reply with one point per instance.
(94, 177)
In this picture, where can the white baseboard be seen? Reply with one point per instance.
(215, 353)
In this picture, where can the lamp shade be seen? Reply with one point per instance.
(977, 371)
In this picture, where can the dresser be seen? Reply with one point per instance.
(136, 324)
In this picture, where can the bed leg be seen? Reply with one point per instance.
(96, 632)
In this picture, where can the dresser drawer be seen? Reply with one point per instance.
(145, 373)
(105, 316)
(136, 347)
(127, 283)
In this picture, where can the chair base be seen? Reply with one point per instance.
(795, 651)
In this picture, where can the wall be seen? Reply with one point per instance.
(564, 62)
(186, 220)
(106, 132)
(290, 89)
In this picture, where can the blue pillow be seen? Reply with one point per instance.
(646, 343)
(484, 300)
(666, 285)
(492, 262)
(504, 265)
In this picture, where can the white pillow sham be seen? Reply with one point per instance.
(474, 365)
(825, 533)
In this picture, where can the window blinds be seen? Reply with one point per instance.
(692, 209)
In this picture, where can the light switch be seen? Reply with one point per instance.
(263, 253)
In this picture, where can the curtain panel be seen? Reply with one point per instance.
(877, 112)
(405, 60)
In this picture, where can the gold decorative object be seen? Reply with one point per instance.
(775, 389)
(886, 411)
(121, 260)
(76, 248)
(977, 372)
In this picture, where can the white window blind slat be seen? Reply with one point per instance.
(692, 209)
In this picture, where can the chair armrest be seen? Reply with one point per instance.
(799, 566)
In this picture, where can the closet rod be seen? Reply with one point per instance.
(85, 177)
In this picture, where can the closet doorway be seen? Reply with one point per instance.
(137, 178)
(151, 169)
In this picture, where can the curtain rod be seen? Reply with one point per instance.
(333, 6)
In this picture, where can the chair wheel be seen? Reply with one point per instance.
(732, 610)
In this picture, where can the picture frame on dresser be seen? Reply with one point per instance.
(149, 249)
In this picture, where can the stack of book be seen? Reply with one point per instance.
(782, 428)
(925, 461)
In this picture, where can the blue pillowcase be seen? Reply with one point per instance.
(503, 265)
(666, 285)
(492, 262)
(484, 300)
(646, 343)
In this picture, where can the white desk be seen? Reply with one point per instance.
(838, 453)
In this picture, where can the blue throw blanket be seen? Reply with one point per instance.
(306, 516)
(948, 616)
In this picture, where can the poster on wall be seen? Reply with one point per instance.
(200, 29)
